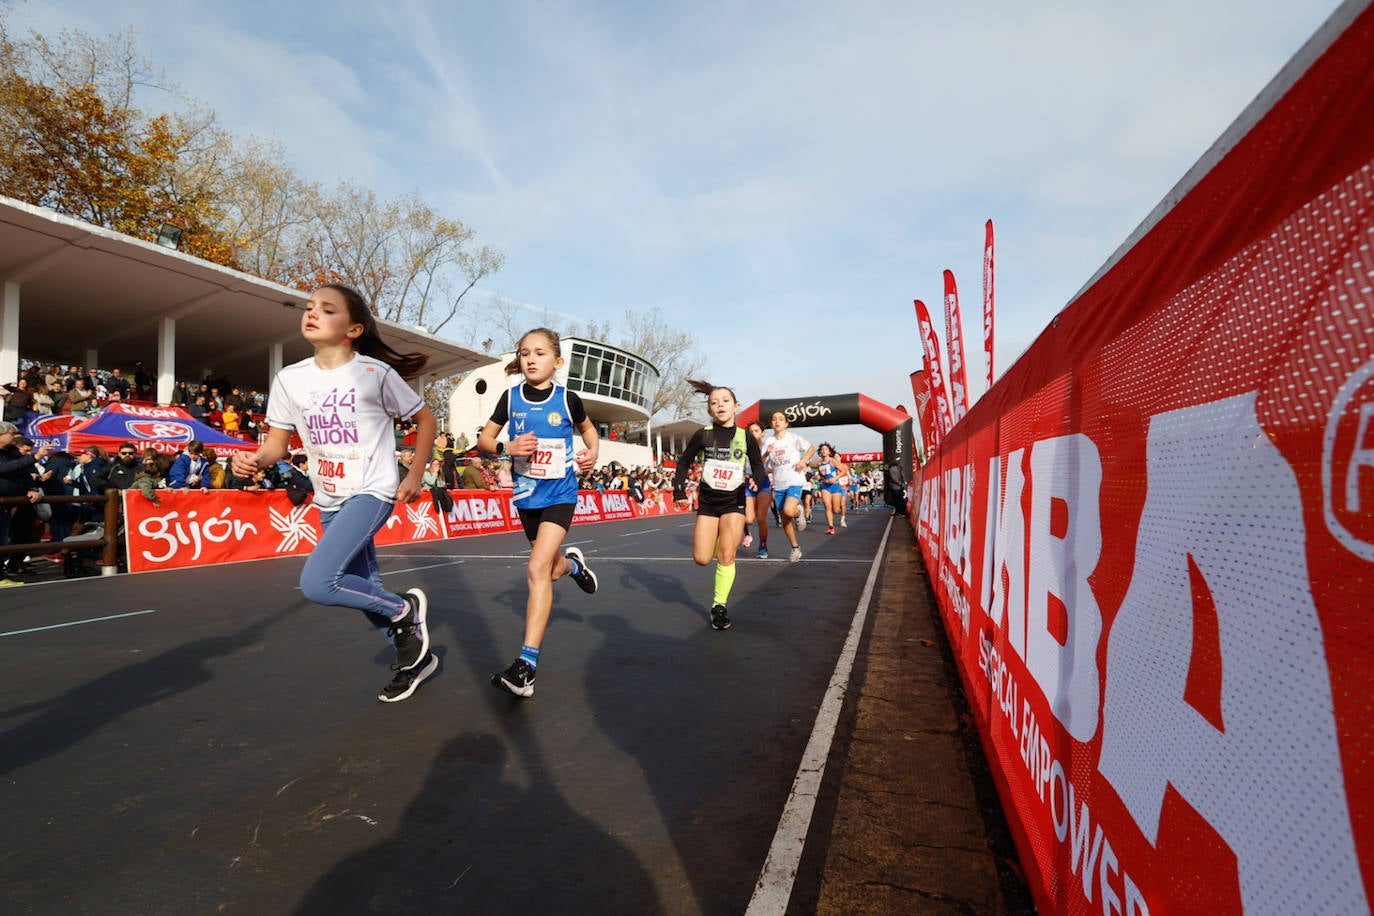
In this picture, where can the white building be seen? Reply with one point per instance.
(616, 386)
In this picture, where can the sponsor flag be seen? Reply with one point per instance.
(934, 374)
(987, 297)
(920, 390)
(954, 346)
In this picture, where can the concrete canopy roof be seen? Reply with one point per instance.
(86, 288)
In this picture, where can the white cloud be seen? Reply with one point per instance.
(753, 168)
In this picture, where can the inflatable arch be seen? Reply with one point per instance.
(839, 410)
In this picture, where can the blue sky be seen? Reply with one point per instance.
(780, 179)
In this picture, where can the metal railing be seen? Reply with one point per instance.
(109, 558)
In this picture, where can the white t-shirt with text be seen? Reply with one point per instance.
(344, 417)
(781, 457)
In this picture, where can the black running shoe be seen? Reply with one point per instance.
(405, 682)
(517, 679)
(719, 619)
(586, 579)
(410, 634)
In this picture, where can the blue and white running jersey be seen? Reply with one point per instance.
(546, 478)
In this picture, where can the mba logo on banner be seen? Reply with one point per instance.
(1152, 541)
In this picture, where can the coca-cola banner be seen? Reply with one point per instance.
(1152, 541)
(191, 528)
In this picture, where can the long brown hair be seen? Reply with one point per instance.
(370, 343)
(707, 388)
(513, 367)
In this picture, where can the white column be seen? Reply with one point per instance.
(166, 359)
(274, 361)
(9, 334)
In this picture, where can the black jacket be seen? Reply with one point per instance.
(116, 474)
(16, 471)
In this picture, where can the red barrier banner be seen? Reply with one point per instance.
(856, 457)
(481, 512)
(1152, 541)
(191, 528)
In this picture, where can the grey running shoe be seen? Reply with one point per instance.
(586, 579)
(517, 679)
(405, 682)
(719, 619)
(795, 556)
(410, 634)
(801, 522)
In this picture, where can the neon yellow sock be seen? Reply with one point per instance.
(725, 579)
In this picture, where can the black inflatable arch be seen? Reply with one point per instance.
(839, 410)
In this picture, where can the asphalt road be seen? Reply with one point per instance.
(216, 745)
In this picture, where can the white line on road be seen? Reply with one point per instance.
(774, 887)
(608, 558)
(453, 562)
(76, 623)
(635, 534)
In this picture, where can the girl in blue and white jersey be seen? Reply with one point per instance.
(832, 474)
(341, 402)
(758, 500)
(542, 416)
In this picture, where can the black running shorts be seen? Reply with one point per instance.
(560, 514)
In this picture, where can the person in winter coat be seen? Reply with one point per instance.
(189, 469)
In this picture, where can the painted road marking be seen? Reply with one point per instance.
(774, 886)
(76, 623)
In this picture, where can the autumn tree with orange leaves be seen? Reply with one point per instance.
(71, 140)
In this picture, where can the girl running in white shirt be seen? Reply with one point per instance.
(730, 458)
(542, 416)
(341, 402)
(786, 456)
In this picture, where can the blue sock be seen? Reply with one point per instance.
(530, 655)
(576, 566)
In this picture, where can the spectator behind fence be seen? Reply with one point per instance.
(143, 382)
(188, 470)
(18, 400)
(15, 479)
(117, 387)
(215, 472)
(149, 480)
(229, 419)
(120, 472)
(81, 398)
(42, 399)
(53, 481)
(471, 476)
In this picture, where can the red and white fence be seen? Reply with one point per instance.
(191, 528)
(1153, 540)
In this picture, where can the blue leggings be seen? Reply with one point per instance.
(342, 569)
